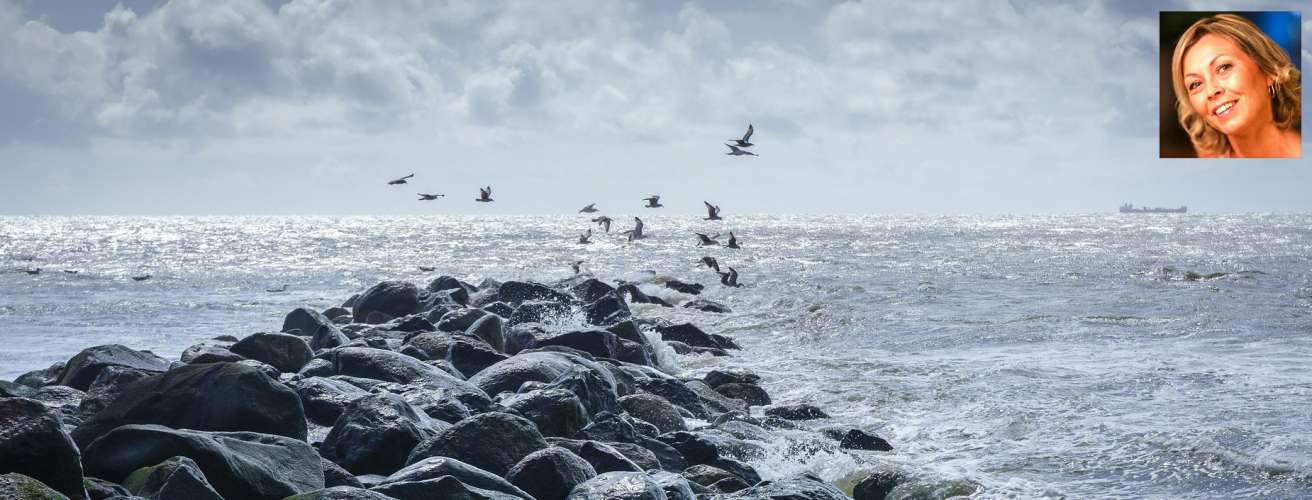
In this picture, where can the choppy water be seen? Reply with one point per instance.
(1032, 356)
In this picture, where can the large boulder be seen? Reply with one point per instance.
(436, 467)
(714, 401)
(753, 394)
(601, 456)
(800, 487)
(545, 367)
(454, 289)
(674, 485)
(654, 410)
(540, 311)
(389, 366)
(556, 412)
(593, 388)
(707, 305)
(472, 357)
(694, 447)
(796, 412)
(878, 485)
(688, 334)
(393, 299)
(287, 353)
(607, 310)
(516, 292)
(491, 329)
(328, 337)
(237, 464)
(65, 401)
(716, 378)
(551, 473)
(445, 487)
(340, 493)
(209, 352)
(33, 443)
(177, 477)
(688, 288)
(591, 289)
(676, 393)
(459, 320)
(212, 397)
(42, 378)
(305, 320)
(619, 486)
(108, 386)
(636, 296)
(83, 368)
(857, 439)
(376, 433)
(324, 399)
(492, 441)
(599, 343)
(16, 486)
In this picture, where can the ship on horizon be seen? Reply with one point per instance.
(1131, 209)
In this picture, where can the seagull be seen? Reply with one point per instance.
(276, 290)
(583, 238)
(653, 201)
(734, 151)
(588, 209)
(730, 278)
(636, 232)
(733, 242)
(711, 263)
(427, 269)
(604, 222)
(484, 194)
(575, 266)
(707, 240)
(712, 211)
(143, 277)
(743, 143)
(429, 197)
(33, 271)
(395, 182)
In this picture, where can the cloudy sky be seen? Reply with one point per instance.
(880, 107)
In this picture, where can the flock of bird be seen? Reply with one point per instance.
(730, 278)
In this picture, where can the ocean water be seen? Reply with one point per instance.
(1101, 356)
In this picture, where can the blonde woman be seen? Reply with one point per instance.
(1237, 93)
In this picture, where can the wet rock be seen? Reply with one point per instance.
(436, 467)
(599, 343)
(539, 311)
(83, 368)
(546, 367)
(590, 290)
(714, 401)
(593, 388)
(438, 404)
(856, 439)
(328, 337)
(707, 475)
(434, 345)
(392, 299)
(644, 458)
(743, 430)
(499, 308)
(16, 486)
(306, 321)
(444, 487)
(517, 292)
(725, 341)
(619, 486)
(333, 313)
(317, 367)
(878, 485)
(237, 464)
(107, 387)
(175, 478)
(654, 410)
(454, 289)
(100, 489)
(688, 334)
(796, 412)
(522, 337)
(207, 352)
(492, 441)
(550, 473)
(556, 412)
(65, 401)
(676, 393)
(212, 397)
(409, 324)
(14, 390)
(707, 305)
(340, 493)
(42, 378)
(375, 434)
(470, 358)
(606, 310)
(636, 296)
(696, 449)
(33, 443)
(414, 352)
(804, 487)
(602, 457)
(287, 353)
(738, 468)
(732, 376)
(459, 320)
(335, 475)
(490, 329)
(628, 330)
(754, 395)
(674, 485)
(681, 287)
(391, 366)
(325, 399)
(265, 368)
(611, 428)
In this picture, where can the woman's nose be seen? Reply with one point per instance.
(1213, 90)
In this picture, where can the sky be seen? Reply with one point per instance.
(198, 107)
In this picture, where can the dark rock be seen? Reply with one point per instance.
(679, 347)
(619, 486)
(66, 402)
(707, 475)
(732, 376)
(628, 330)
(305, 320)
(707, 305)
(878, 485)
(696, 449)
(738, 468)
(550, 473)
(725, 342)
(856, 439)
(636, 296)
(414, 352)
(730, 484)
(800, 487)
(207, 352)
(593, 387)
(517, 292)
(287, 353)
(743, 430)
(438, 404)
(340, 493)
(335, 475)
(265, 368)
(754, 395)
(602, 457)
(100, 489)
(715, 401)
(590, 290)
(677, 393)
(459, 320)
(16, 486)
(327, 337)
(213, 397)
(674, 485)
(492, 441)
(688, 334)
(688, 288)
(454, 288)
(394, 299)
(546, 367)
(107, 387)
(334, 312)
(599, 343)
(177, 477)
(436, 467)
(434, 344)
(556, 412)
(625, 383)
(14, 390)
(227, 339)
(644, 458)
(611, 428)
(317, 367)
(539, 311)
(375, 434)
(500, 309)
(654, 410)
(86, 365)
(33, 443)
(445, 487)
(42, 378)
(607, 310)
(470, 358)
(410, 324)
(522, 337)
(391, 366)
(796, 412)
(633, 352)
(237, 464)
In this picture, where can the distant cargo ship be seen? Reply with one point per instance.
(1131, 209)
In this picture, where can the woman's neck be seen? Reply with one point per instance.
(1264, 142)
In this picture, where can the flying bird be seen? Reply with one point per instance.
(653, 201)
(636, 232)
(429, 197)
(592, 207)
(712, 211)
(484, 194)
(745, 142)
(576, 265)
(705, 240)
(711, 263)
(395, 182)
(604, 222)
(584, 238)
(734, 151)
(730, 278)
(733, 242)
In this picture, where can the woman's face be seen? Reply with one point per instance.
(1225, 86)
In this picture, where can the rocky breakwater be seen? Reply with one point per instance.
(496, 391)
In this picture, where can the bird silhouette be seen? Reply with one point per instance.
(604, 222)
(397, 182)
(735, 151)
(429, 197)
(712, 211)
(745, 141)
(653, 201)
(484, 194)
(592, 207)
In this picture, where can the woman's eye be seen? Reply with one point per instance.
(1224, 68)
(1194, 85)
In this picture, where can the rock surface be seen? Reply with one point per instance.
(33, 443)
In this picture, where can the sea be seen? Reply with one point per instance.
(1073, 356)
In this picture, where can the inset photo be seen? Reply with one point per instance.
(1231, 85)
